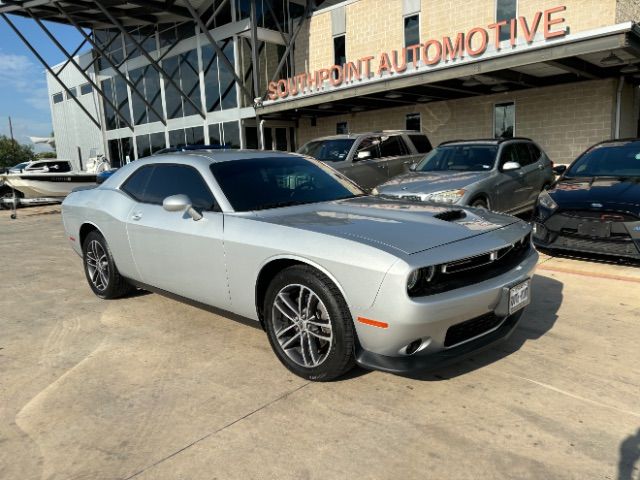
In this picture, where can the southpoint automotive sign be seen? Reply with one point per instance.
(433, 53)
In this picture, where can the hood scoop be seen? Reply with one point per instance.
(451, 215)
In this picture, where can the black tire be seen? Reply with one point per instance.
(111, 284)
(339, 355)
(480, 203)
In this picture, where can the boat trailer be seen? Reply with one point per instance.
(16, 201)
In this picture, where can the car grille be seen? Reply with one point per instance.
(471, 270)
(624, 248)
(471, 328)
(597, 215)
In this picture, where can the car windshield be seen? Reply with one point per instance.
(328, 150)
(20, 166)
(613, 160)
(262, 183)
(464, 158)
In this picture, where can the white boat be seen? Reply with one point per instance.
(48, 178)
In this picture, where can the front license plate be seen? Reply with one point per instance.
(519, 296)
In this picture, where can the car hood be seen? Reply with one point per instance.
(572, 193)
(394, 225)
(427, 182)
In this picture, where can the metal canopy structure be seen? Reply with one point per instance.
(129, 18)
(611, 53)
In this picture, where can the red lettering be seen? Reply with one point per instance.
(415, 54)
(512, 32)
(335, 78)
(451, 52)
(437, 57)
(284, 91)
(352, 71)
(272, 91)
(385, 64)
(483, 41)
(394, 61)
(530, 33)
(496, 34)
(550, 22)
(367, 65)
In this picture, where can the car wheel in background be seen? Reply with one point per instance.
(480, 203)
(100, 269)
(309, 325)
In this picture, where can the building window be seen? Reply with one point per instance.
(72, 92)
(341, 128)
(339, 50)
(86, 89)
(57, 98)
(506, 10)
(412, 122)
(504, 120)
(411, 34)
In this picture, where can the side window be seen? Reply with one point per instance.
(135, 185)
(370, 145)
(421, 142)
(524, 154)
(167, 180)
(536, 153)
(508, 154)
(392, 146)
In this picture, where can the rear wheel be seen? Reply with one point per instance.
(309, 325)
(100, 269)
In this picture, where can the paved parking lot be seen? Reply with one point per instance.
(150, 388)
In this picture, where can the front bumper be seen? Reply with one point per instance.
(437, 360)
(563, 231)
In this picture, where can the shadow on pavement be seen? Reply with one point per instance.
(537, 320)
(629, 456)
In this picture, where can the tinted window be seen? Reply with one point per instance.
(509, 154)
(536, 153)
(167, 180)
(328, 150)
(613, 160)
(392, 146)
(524, 154)
(370, 145)
(261, 183)
(421, 142)
(462, 158)
(137, 182)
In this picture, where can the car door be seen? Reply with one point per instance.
(396, 154)
(544, 174)
(172, 251)
(511, 191)
(368, 171)
(530, 172)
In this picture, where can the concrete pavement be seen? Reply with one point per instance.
(149, 388)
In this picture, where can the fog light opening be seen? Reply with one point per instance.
(413, 347)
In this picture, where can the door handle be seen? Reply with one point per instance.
(136, 216)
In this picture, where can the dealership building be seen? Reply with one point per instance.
(274, 74)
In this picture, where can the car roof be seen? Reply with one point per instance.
(487, 141)
(616, 142)
(216, 156)
(354, 135)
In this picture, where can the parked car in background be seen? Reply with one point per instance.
(595, 205)
(335, 277)
(504, 175)
(369, 159)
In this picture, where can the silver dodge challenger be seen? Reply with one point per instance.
(334, 276)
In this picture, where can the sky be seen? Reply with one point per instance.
(23, 85)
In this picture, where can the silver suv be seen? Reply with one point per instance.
(504, 175)
(369, 159)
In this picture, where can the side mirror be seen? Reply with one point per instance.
(363, 154)
(413, 166)
(559, 169)
(509, 166)
(180, 203)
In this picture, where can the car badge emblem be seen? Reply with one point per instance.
(596, 205)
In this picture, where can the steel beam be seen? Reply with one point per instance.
(111, 62)
(216, 12)
(75, 64)
(255, 60)
(50, 70)
(75, 52)
(203, 28)
(152, 62)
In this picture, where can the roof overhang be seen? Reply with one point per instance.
(572, 58)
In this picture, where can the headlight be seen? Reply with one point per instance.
(420, 278)
(447, 196)
(546, 201)
(375, 192)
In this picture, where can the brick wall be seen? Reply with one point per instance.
(564, 119)
(627, 10)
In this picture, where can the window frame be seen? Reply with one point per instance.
(405, 150)
(84, 86)
(215, 207)
(413, 114)
(493, 114)
(495, 10)
(333, 40)
(342, 126)
(404, 32)
(59, 95)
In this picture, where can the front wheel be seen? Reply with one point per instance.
(100, 269)
(480, 203)
(309, 325)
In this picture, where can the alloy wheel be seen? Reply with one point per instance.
(302, 325)
(97, 265)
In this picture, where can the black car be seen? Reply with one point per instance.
(594, 207)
